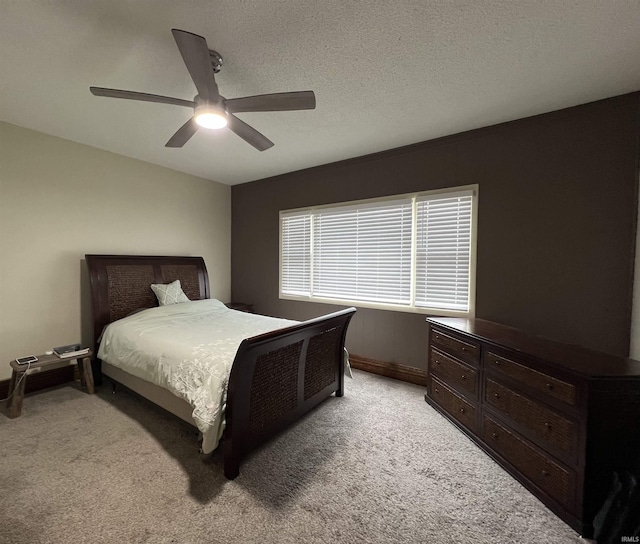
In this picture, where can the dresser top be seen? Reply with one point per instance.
(578, 359)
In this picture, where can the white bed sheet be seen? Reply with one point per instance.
(187, 348)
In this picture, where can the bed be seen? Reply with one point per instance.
(274, 378)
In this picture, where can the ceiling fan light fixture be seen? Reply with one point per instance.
(211, 117)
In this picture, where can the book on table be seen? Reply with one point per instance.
(72, 350)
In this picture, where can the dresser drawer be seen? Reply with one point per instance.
(467, 351)
(550, 428)
(534, 379)
(554, 479)
(454, 404)
(456, 374)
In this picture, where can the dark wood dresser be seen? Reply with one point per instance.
(560, 418)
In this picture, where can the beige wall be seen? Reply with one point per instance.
(60, 200)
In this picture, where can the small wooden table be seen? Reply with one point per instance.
(44, 363)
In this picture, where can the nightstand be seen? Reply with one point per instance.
(240, 306)
(44, 363)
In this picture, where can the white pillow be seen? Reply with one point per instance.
(169, 293)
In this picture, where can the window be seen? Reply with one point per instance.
(412, 253)
(295, 265)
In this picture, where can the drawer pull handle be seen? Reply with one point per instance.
(497, 363)
(437, 390)
(437, 362)
(464, 349)
(495, 435)
(464, 377)
(496, 395)
(547, 425)
(462, 410)
(545, 473)
(550, 386)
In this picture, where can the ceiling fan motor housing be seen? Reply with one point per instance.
(216, 60)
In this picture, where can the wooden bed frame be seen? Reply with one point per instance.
(276, 377)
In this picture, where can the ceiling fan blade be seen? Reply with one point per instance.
(249, 134)
(301, 100)
(144, 97)
(183, 134)
(195, 54)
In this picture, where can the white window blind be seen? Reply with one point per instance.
(443, 251)
(363, 253)
(295, 265)
(410, 252)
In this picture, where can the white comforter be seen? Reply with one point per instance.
(187, 348)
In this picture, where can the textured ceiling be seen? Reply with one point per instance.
(385, 74)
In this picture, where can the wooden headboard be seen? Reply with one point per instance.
(121, 284)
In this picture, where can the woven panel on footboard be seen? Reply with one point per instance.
(320, 366)
(188, 276)
(129, 289)
(274, 388)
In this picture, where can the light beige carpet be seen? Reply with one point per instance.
(376, 466)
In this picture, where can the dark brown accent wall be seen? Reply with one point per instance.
(556, 226)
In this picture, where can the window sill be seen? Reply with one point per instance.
(382, 306)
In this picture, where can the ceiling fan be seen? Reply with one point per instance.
(211, 110)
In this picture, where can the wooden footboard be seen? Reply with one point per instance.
(279, 376)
